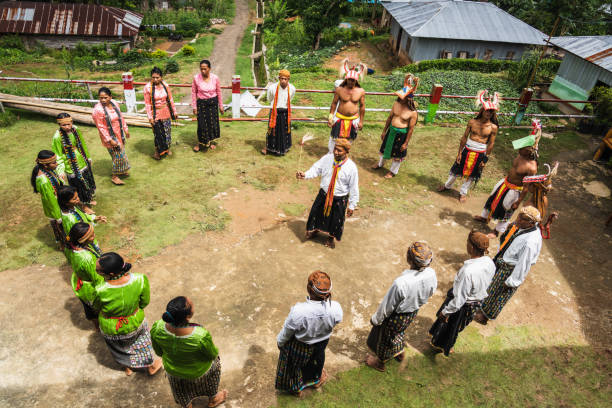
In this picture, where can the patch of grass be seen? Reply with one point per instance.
(515, 367)
(243, 59)
(293, 209)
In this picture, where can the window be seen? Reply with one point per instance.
(510, 55)
(446, 54)
(462, 54)
(487, 55)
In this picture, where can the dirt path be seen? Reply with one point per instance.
(224, 52)
(244, 280)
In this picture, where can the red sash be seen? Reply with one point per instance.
(273, 114)
(329, 199)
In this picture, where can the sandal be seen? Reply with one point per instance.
(322, 380)
(214, 402)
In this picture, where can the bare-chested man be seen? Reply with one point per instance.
(397, 133)
(349, 98)
(508, 193)
(475, 147)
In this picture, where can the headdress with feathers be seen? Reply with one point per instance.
(357, 72)
(483, 99)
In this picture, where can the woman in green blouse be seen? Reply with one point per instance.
(82, 253)
(69, 202)
(190, 357)
(120, 299)
(46, 182)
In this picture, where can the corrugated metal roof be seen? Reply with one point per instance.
(595, 49)
(26, 17)
(465, 20)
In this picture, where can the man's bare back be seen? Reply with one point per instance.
(402, 115)
(521, 166)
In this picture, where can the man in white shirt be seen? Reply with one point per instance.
(411, 290)
(304, 337)
(519, 249)
(279, 95)
(464, 298)
(339, 187)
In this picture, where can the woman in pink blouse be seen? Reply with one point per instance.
(205, 97)
(160, 111)
(113, 133)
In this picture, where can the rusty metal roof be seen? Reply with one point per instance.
(595, 49)
(28, 17)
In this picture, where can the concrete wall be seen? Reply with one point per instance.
(431, 48)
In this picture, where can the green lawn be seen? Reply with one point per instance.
(515, 367)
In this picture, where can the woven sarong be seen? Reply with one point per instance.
(58, 232)
(498, 208)
(332, 224)
(86, 187)
(300, 365)
(444, 334)
(470, 164)
(133, 350)
(387, 340)
(344, 127)
(208, 120)
(278, 139)
(120, 160)
(499, 293)
(391, 147)
(162, 132)
(185, 390)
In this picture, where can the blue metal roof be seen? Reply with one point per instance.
(462, 20)
(595, 49)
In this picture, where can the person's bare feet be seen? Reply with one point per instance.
(322, 380)
(196, 148)
(156, 156)
(212, 147)
(462, 199)
(376, 167)
(263, 151)
(400, 357)
(442, 188)
(310, 234)
(154, 368)
(330, 243)
(117, 181)
(389, 175)
(218, 399)
(375, 363)
(128, 371)
(479, 219)
(169, 153)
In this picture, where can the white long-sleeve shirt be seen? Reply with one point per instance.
(310, 321)
(283, 94)
(408, 293)
(471, 283)
(522, 253)
(347, 181)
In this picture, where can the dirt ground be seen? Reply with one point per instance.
(244, 280)
(367, 53)
(223, 55)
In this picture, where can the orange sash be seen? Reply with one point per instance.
(500, 193)
(329, 199)
(273, 114)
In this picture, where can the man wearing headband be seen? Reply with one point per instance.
(339, 187)
(475, 146)
(347, 108)
(278, 138)
(304, 337)
(508, 193)
(464, 298)
(519, 249)
(398, 129)
(411, 290)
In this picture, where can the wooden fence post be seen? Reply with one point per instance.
(236, 96)
(524, 100)
(434, 100)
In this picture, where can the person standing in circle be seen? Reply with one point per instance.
(113, 133)
(206, 99)
(160, 111)
(190, 357)
(46, 182)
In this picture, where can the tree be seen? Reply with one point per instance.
(319, 15)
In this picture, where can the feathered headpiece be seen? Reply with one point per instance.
(483, 99)
(411, 83)
(356, 72)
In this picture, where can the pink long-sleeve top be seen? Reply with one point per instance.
(161, 106)
(100, 120)
(201, 89)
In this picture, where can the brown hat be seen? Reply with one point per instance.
(479, 241)
(420, 253)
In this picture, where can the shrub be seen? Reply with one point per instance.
(189, 25)
(187, 50)
(520, 72)
(469, 64)
(159, 54)
(171, 67)
(12, 41)
(603, 110)
(215, 31)
(7, 119)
